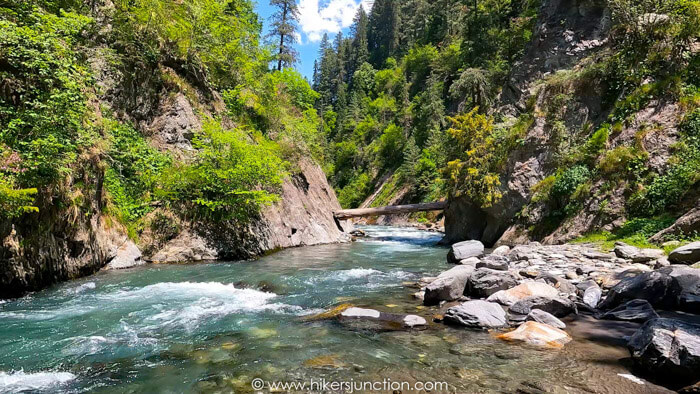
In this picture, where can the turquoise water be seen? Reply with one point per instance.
(215, 327)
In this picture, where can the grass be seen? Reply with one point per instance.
(606, 240)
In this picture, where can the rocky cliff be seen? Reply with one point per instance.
(557, 87)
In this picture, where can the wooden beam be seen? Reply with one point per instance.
(390, 210)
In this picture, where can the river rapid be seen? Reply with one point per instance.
(215, 327)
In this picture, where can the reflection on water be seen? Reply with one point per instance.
(215, 327)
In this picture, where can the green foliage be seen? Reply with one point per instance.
(230, 178)
(355, 191)
(620, 162)
(568, 181)
(15, 202)
(133, 172)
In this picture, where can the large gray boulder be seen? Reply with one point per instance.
(128, 255)
(522, 291)
(688, 254)
(685, 288)
(494, 262)
(557, 306)
(635, 310)
(464, 250)
(484, 281)
(477, 314)
(448, 286)
(624, 251)
(668, 350)
(540, 316)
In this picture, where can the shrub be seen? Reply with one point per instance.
(619, 162)
(355, 192)
(568, 181)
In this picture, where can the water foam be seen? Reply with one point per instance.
(21, 381)
(355, 273)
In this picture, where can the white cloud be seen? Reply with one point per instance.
(329, 17)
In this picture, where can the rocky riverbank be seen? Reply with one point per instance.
(524, 293)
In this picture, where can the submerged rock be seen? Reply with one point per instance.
(448, 286)
(688, 254)
(329, 314)
(557, 306)
(373, 319)
(635, 310)
(483, 282)
(522, 291)
(538, 334)
(477, 314)
(540, 316)
(464, 250)
(668, 350)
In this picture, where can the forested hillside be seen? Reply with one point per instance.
(158, 119)
(541, 119)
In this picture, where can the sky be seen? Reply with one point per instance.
(316, 17)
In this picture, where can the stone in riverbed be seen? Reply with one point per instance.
(498, 263)
(688, 254)
(540, 316)
(557, 306)
(624, 251)
(477, 314)
(563, 285)
(522, 291)
(128, 255)
(473, 261)
(464, 250)
(483, 282)
(375, 320)
(591, 297)
(448, 286)
(667, 350)
(635, 310)
(501, 250)
(650, 286)
(538, 334)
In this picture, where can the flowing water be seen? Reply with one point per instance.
(216, 327)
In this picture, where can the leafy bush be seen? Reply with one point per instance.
(619, 162)
(230, 179)
(355, 192)
(568, 181)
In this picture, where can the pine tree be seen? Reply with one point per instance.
(383, 31)
(359, 52)
(284, 25)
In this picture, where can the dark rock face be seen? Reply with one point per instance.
(484, 282)
(464, 250)
(635, 310)
(477, 314)
(686, 224)
(448, 286)
(668, 350)
(650, 286)
(557, 306)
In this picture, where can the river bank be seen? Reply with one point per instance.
(214, 327)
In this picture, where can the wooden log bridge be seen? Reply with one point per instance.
(390, 210)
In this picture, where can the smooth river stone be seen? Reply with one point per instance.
(477, 314)
(538, 334)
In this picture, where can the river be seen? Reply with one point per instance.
(215, 327)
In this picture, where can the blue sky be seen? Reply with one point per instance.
(316, 18)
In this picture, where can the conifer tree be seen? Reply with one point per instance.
(284, 25)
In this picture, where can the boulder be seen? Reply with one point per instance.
(501, 250)
(477, 314)
(624, 251)
(591, 297)
(376, 320)
(522, 291)
(538, 334)
(557, 306)
(647, 255)
(650, 286)
(464, 250)
(559, 283)
(448, 286)
(483, 282)
(667, 350)
(128, 255)
(635, 310)
(688, 254)
(473, 261)
(686, 224)
(583, 286)
(685, 287)
(493, 262)
(540, 316)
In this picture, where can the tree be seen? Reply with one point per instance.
(284, 25)
(383, 31)
(358, 52)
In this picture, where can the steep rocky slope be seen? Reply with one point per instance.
(556, 86)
